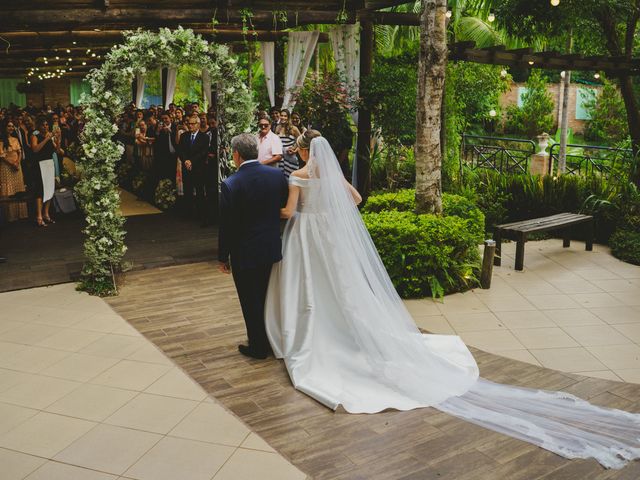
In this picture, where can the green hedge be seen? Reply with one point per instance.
(426, 254)
(625, 245)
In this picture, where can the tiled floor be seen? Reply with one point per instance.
(83, 396)
(569, 310)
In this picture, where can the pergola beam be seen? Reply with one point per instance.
(523, 57)
(92, 18)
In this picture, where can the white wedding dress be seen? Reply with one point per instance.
(346, 338)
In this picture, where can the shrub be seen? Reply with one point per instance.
(536, 113)
(165, 195)
(625, 245)
(426, 254)
(608, 113)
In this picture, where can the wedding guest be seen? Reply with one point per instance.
(275, 118)
(43, 147)
(192, 151)
(144, 146)
(288, 134)
(165, 150)
(296, 120)
(270, 146)
(11, 178)
(211, 176)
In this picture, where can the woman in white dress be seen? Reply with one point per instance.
(347, 340)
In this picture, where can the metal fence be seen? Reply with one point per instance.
(504, 155)
(512, 155)
(587, 160)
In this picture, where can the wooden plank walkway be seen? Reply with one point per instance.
(46, 256)
(191, 312)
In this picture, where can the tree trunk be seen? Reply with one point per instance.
(633, 119)
(564, 119)
(431, 75)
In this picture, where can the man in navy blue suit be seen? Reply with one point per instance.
(249, 235)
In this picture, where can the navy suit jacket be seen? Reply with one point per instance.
(250, 203)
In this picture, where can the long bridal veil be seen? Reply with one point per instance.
(415, 370)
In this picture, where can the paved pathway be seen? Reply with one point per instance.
(569, 310)
(83, 396)
(191, 312)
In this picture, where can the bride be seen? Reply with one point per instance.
(347, 339)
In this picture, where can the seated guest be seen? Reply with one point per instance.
(270, 146)
(11, 178)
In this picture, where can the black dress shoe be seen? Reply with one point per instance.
(247, 351)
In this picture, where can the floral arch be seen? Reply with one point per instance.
(97, 192)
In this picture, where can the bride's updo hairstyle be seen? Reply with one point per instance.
(304, 140)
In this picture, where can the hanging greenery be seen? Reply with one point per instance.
(97, 192)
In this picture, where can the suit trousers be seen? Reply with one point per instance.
(251, 284)
(194, 181)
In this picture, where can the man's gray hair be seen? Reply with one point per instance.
(246, 144)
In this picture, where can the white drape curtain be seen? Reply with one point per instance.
(172, 75)
(206, 87)
(139, 89)
(300, 50)
(346, 52)
(267, 53)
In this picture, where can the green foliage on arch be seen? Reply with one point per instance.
(97, 192)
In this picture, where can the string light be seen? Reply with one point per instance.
(531, 62)
(84, 63)
(75, 43)
(68, 51)
(555, 3)
(448, 14)
(492, 113)
(563, 74)
(503, 73)
(596, 76)
(491, 17)
(93, 54)
(57, 58)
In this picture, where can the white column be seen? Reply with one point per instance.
(172, 75)
(139, 89)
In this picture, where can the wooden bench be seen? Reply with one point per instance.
(518, 231)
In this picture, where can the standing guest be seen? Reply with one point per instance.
(139, 117)
(270, 146)
(288, 135)
(165, 150)
(144, 147)
(296, 120)
(11, 178)
(211, 175)
(275, 118)
(43, 147)
(192, 151)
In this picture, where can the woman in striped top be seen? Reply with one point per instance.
(288, 135)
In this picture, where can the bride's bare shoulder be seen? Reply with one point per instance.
(302, 173)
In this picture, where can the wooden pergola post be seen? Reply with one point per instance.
(164, 73)
(362, 170)
(278, 61)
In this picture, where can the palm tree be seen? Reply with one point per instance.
(431, 74)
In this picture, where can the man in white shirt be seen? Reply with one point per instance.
(270, 146)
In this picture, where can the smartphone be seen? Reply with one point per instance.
(137, 131)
